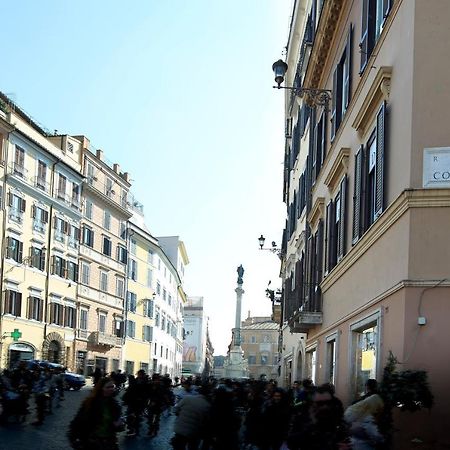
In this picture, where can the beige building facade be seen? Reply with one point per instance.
(366, 246)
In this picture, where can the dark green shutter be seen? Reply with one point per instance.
(380, 164)
(348, 67)
(333, 104)
(342, 219)
(357, 196)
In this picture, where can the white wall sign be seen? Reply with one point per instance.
(436, 167)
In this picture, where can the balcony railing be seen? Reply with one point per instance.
(41, 184)
(99, 338)
(18, 170)
(15, 215)
(38, 225)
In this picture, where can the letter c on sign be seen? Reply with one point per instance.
(436, 175)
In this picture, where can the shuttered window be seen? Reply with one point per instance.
(35, 308)
(14, 249)
(13, 303)
(369, 184)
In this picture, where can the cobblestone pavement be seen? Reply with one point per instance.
(52, 434)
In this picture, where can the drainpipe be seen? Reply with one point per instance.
(2, 267)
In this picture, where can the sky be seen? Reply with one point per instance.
(179, 93)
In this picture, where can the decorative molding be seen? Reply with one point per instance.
(378, 92)
(317, 211)
(338, 169)
(410, 198)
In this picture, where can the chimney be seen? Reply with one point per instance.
(126, 177)
(100, 154)
(116, 168)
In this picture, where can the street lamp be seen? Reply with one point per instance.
(273, 248)
(319, 97)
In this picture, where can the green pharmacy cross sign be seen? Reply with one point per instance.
(16, 334)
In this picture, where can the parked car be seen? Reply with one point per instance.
(71, 380)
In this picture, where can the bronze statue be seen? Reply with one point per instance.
(240, 271)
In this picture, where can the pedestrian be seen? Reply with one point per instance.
(136, 398)
(98, 419)
(192, 413)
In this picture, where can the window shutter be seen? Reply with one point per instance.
(387, 4)
(78, 234)
(348, 68)
(319, 245)
(323, 143)
(67, 227)
(53, 268)
(42, 260)
(30, 307)
(333, 104)
(328, 227)
(33, 211)
(10, 199)
(45, 216)
(55, 222)
(23, 205)
(379, 168)
(20, 252)
(8, 247)
(363, 44)
(357, 197)
(342, 218)
(332, 236)
(60, 315)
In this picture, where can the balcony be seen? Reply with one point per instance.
(108, 340)
(18, 170)
(82, 334)
(61, 195)
(303, 321)
(39, 226)
(15, 215)
(41, 184)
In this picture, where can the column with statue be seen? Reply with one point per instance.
(235, 366)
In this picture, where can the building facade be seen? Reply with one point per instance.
(259, 341)
(155, 298)
(365, 263)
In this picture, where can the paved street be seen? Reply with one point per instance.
(52, 435)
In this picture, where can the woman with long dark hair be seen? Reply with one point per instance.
(98, 419)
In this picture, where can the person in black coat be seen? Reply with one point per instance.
(98, 420)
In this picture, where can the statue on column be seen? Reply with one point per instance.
(240, 271)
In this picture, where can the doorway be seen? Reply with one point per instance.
(54, 352)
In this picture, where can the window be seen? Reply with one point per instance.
(252, 359)
(373, 18)
(129, 367)
(41, 179)
(40, 218)
(35, 308)
(13, 303)
(75, 195)
(342, 85)
(58, 266)
(311, 359)
(83, 322)
(72, 271)
(131, 329)
(88, 209)
(62, 184)
(148, 308)
(37, 258)
(264, 359)
(365, 352)
(122, 229)
(106, 220)
(119, 327)
(147, 333)
(164, 294)
(133, 247)
(161, 351)
(318, 155)
(88, 236)
(56, 313)
(14, 249)
(102, 322)
(107, 246)
(109, 187)
(74, 236)
(149, 278)
(132, 301)
(369, 196)
(331, 361)
(17, 206)
(70, 316)
(90, 173)
(85, 273)
(253, 339)
(144, 367)
(132, 269)
(157, 316)
(163, 321)
(168, 326)
(120, 287)
(170, 300)
(336, 224)
(19, 161)
(158, 288)
(103, 281)
(122, 255)
(150, 257)
(60, 227)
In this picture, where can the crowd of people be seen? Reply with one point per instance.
(44, 385)
(229, 415)
(209, 414)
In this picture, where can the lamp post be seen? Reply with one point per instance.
(274, 248)
(319, 97)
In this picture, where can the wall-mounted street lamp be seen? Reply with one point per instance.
(274, 248)
(319, 97)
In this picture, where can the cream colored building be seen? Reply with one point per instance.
(154, 301)
(41, 224)
(103, 262)
(366, 248)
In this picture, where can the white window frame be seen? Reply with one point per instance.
(332, 338)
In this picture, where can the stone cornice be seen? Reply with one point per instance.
(338, 169)
(317, 211)
(410, 198)
(324, 36)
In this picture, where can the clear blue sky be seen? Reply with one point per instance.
(179, 93)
